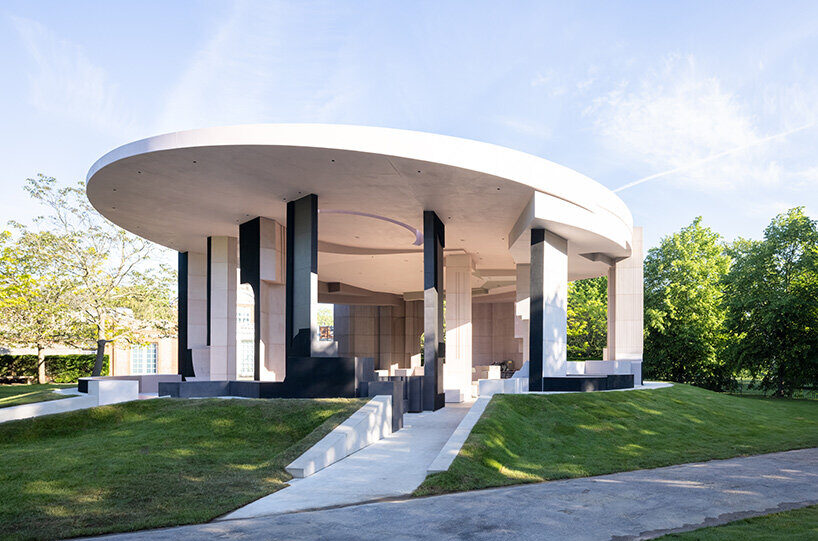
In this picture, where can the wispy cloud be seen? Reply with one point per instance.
(697, 133)
(265, 62)
(64, 81)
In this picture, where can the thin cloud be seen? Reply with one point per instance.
(714, 157)
(677, 119)
(65, 82)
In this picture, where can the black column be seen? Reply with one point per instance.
(209, 278)
(302, 263)
(250, 265)
(433, 344)
(183, 358)
(535, 330)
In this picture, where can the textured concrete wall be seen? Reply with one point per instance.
(273, 299)
(458, 315)
(223, 284)
(493, 334)
(625, 304)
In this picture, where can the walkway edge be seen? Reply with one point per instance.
(446, 456)
(369, 424)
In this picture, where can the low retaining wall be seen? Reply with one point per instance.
(452, 447)
(99, 393)
(148, 383)
(366, 426)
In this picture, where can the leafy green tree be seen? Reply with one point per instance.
(115, 284)
(34, 294)
(684, 308)
(772, 302)
(587, 318)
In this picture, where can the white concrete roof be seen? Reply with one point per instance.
(177, 189)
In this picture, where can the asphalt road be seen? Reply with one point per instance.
(632, 505)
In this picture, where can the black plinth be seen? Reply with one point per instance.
(588, 383)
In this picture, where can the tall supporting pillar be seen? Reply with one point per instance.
(261, 255)
(457, 370)
(433, 344)
(183, 357)
(302, 277)
(625, 304)
(522, 308)
(222, 284)
(549, 307)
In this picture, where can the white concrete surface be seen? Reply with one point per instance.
(455, 442)
(369, 424)
(626, 304)
(113, 391)
(457, 369)
(100, 393)
(391, 467)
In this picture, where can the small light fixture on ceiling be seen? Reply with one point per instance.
(418, 170)
(194, 161)
(498, 188)
(139, 172)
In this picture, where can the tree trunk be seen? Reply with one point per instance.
(100, 360)
(41, 377)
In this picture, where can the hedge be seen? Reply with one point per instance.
(58, 368)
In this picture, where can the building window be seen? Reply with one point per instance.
(244, 321)
(246, 359)
(143, 359)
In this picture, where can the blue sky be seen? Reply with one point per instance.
(714, 103)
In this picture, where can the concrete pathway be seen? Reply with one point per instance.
(632, 505)
(393, 466)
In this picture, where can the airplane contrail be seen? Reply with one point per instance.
(713, 157)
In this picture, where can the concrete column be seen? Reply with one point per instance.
(433, 340)
(522, 312)
(457, 370)
(223, 281)
(549, 307)
(302, 276)
(625, 304)
(262, 257)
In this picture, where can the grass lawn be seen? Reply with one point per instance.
(793, 525)
(530, 438)
(151, 463)
(14, 395)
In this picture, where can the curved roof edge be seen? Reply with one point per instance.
(538, 173)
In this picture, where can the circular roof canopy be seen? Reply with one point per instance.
(373, 185)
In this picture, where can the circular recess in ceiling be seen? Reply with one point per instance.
(416, 232)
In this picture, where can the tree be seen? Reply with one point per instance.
(113, 294)
(34, 293)
(587, 318)
(684, 309)
(772, 303)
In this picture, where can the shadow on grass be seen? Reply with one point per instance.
(151, 463)
(529, 438)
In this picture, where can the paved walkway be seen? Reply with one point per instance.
(393, 466)
(632, 505)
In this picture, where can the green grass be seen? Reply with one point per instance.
(792, 525)
(531, 438)
(151, 463)
(15, 395)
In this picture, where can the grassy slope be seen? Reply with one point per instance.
(151, 463)
(792, 525)
(529, 438)
(15, 395)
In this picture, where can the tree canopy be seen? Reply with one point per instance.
(684, 312)
(771, 295)
(75, 278)
(587, 318)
